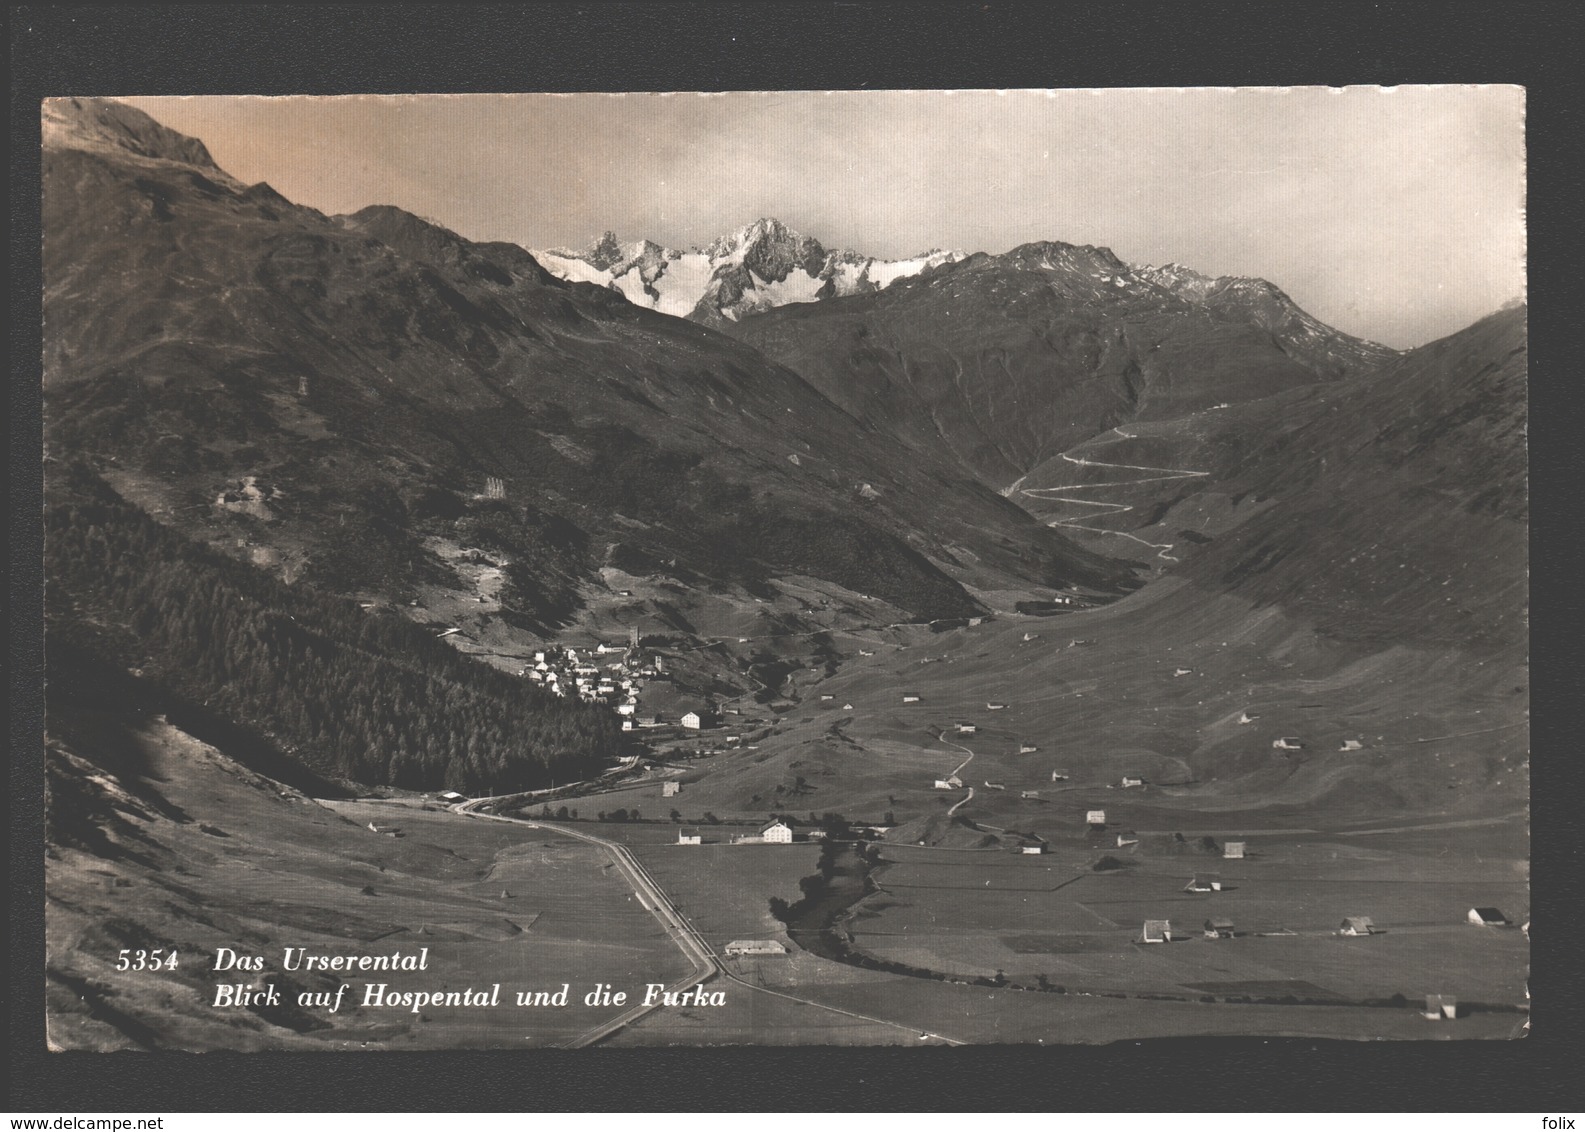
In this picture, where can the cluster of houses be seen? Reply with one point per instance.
(615, 675)
(610, 674)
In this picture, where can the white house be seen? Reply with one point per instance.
(1233, 850)
(1033, 850)
(910, 699)
(943, 784)
(1096, 818)
(777, 831)
(670, 789)
(689, 837)
(626, 709)
(691, 720)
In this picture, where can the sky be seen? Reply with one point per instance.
(1395, 214)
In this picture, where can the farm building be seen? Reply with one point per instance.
(1029, 793)
(1219, 928)
(689, 837)
(847, 707)
(994, 706)
(1439, 1006)
(1126, 838)
(450, 796)
(1351, 745)
(827, 696)
(1156, 931)
(951, 782)
(1027, 748)
(1491, 917)
(1204, 882)
(1233, 850)
(755, 947)
(1132, 780)
(967, 729)
(1357, 925)
(1287, 743)
(777, 831)
(910, 699)
(1096, 818)
(1247, 717)
(1031, 636)
(1183, 672)
(669, 789)
(1058, 776)
(1033, 850)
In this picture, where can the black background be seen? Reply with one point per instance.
(346, 49)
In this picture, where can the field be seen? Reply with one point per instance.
(493, 903)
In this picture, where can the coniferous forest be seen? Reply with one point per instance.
(361, 695)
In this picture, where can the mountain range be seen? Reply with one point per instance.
(758, 267)
(373, 409)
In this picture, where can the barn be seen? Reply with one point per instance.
(1204, 882)
(1357, 925)
(1233, 850)
(1127, 837)
(1490, 917)
(1219, 928)
(1439, 1006)
(1156, 931)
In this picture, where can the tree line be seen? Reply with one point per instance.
(368, 696)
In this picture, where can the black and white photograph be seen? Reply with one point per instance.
(865, 568)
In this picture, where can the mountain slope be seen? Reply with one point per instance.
(1007, 361)
(332, 398)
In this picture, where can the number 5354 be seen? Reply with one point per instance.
(141, 960)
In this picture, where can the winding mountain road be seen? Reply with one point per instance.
(1059, 494)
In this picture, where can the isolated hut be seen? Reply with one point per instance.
(910, 699)
(1132, 780)
(1127, 837)
(1439, 1006)
(995, 705)
(1027, 748)
(1351, 745)
(1357, 925)
(1204, 882)
(1233, 850)
(689, 837)
(1287, 743)
(1490, 917)
(1096, 818)
(1219, 928)
(1156, 931)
